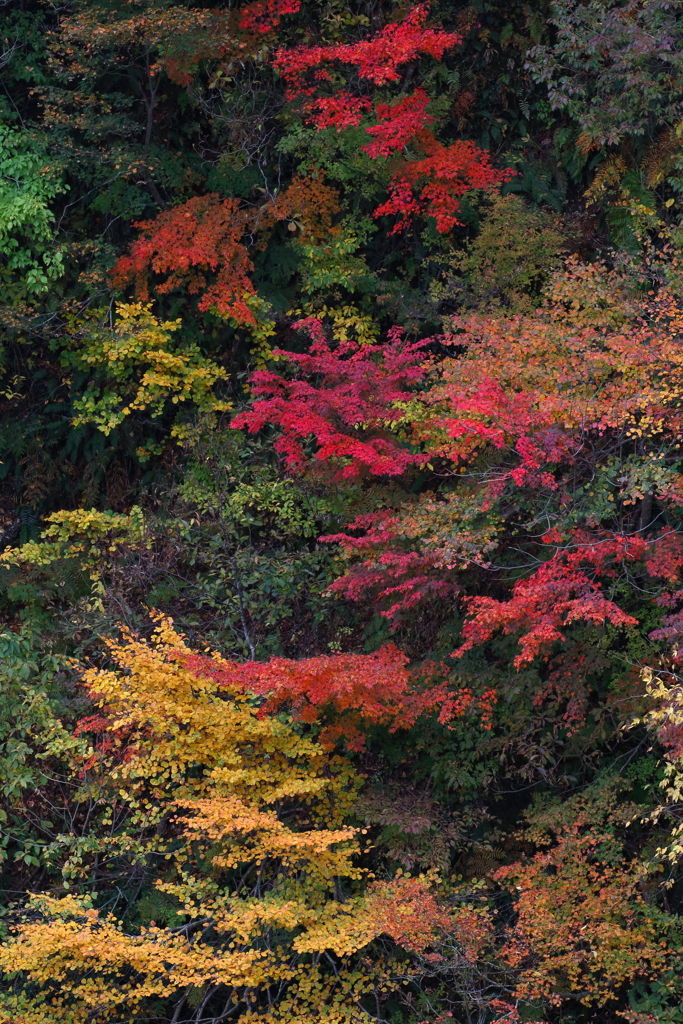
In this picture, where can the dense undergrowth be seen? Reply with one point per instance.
(341, 490)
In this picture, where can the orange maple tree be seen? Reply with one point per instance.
(196, 238)
(350, 692)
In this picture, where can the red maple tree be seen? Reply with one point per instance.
(376, 60)
(542, 395)
(346, 412)
(430, 184)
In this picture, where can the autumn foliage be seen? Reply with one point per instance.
(199, 237)
(246, 792)
(341, 513)
(206, 233)
(352, 692)
(428, 186)
(354, 390)
(377, 59)
(581, 919)
(526, 388)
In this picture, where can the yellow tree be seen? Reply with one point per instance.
(236, 822)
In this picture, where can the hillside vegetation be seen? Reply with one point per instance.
(341, 512)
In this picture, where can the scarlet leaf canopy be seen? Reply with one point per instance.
(543, 394)
(376, 60)
(348, 411)
(428, 185)
(205, 237)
